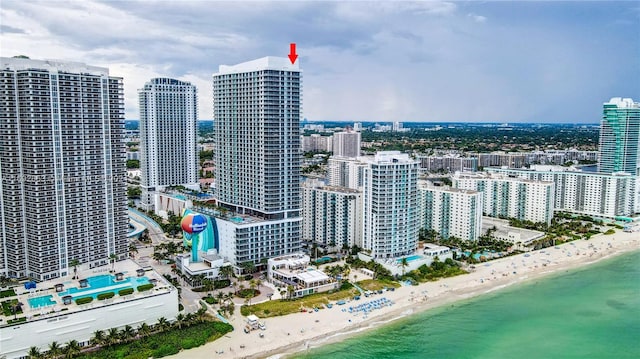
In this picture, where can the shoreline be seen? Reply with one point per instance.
(294, 333)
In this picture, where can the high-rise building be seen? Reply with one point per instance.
(62, 162)
(510, 197)
(345, 172)
(346, 144)
(332, 216)
(168, 133)
(390, 204)
(451, 212)
(316, 143)
(620, 137)
(256, 108)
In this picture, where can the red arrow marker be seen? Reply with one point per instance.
(292, 53)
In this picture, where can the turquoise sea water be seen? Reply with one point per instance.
(592, 312)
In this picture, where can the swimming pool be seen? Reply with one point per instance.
(411, 258)
(43, 301)
(103, 284)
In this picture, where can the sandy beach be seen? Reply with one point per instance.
(298, 332)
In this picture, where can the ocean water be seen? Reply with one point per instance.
(593, 312)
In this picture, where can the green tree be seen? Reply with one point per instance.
(113, 258)
(226, 271)
(54, 350)
(134, 192)
(71, 349)
(74, 263)
(144, 329)
(113, 336)
(98, 338)
(127, 333)
(34, 353)
(404, 263)
(131, 164)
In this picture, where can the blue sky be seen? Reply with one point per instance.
(362, 61)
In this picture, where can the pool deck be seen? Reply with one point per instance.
(128, 267)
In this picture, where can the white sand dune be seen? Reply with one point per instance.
(301, 331)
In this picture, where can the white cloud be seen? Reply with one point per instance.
(376, 61)
(477, 18)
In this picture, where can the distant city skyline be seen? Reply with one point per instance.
(536, 62)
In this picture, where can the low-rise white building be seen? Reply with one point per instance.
(451, 212)
(51, 314)
(292, 271)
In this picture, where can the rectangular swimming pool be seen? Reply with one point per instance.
(39, 302)
(410, 258)
(103, 284)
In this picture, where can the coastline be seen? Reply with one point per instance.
(294, 333)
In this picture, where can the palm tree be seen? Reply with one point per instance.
(290, 290)
(220, 296)
(404, 263)
(113, 336)
(201, 313)
(34, 353)
(54, 350)
(127, 333)
(226, 271)
(132, 249)
(144, 329)
(98, 338)
(162, 323)
(179, 320)
(74, 263)
(71, 349)
(113, 258)
(258, 283)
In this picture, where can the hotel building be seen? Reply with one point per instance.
(168, 133)
(62, 163)
(256, 109)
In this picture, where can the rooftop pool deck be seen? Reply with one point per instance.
(44, 301)
(103, 284)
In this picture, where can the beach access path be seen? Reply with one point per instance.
(301, 331)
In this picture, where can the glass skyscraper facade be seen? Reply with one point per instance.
(620, 137)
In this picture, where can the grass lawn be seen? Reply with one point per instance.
(7, 293)
(376, 284)
(274, 308)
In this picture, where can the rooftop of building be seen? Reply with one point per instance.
(58, 296)
(499, 176)
(264, 63)
(428, 185)
(556, 169)
(622, 103)
(21, 63)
